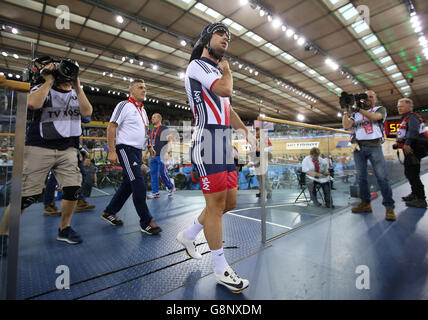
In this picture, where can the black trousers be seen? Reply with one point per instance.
(312, 185)
(412, 170)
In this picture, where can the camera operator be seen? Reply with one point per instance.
(409, 137)
(52, 142)
(366, 122)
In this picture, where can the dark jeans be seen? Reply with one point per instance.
(375, 155)
(412, 170)
(133, 183)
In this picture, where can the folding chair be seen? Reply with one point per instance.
(301, 179)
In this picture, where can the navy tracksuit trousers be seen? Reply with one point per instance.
(133, 183)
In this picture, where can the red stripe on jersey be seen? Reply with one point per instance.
(196, 114)
(213, 84)
(213, 108)
(226, 112)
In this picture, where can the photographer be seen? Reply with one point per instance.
(411, 138)
(52, 142)
(366, 122)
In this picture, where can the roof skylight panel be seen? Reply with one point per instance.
(348, 11)
(360, 26)
(235, 28)
(286, 57)
(397, 75)
(377, 50)
(213, 13)
(161, 47)
(301, 65)
(272, 48)
(385, 59)
(133, 37)
(253, 38)
(390, 68)
(369, 39)
(184, 4)
(206, 13)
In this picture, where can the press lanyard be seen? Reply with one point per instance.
(368, 128)
(140, 111)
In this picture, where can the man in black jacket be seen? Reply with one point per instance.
(411, 137)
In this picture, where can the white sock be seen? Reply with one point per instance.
(220, 262)
(193, 230)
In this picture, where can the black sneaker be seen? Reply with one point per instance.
(150, 230)
(258, 195)
(154, 225)
(112, 219)
(3, 245)
(410, 197)
(417, 203)
(69, 235)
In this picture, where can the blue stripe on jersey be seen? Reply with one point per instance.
(119, 110)
(203, 66)
(198, 102)
(216, 100)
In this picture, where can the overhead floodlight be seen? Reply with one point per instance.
(155, 67)
(131, 61)
(262, 13)
(276, 23)
(332, 64)
(289, 32)
(414, 18)
(4, 54)
(243, 2)
(300, 117)
(14, 30)
(141, 63)
(183, 43)
(301, 41)
(119, 19)
(418, 29)
(15, 56)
